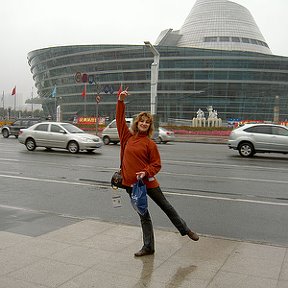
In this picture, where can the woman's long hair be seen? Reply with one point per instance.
(138, 118)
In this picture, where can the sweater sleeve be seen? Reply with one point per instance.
(154, 165)
(122, 128)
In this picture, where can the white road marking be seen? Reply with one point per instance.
(227, 178)
(228, 199)
(167, 193)
(49, 180)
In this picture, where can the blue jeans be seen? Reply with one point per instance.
(146, 223)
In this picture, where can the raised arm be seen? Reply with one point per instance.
(123, 130)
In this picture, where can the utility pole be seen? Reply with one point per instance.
(154, 81)
(276, 110)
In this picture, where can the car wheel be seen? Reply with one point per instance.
(106, 140)
(73, 147)
(30, 144)
(246, 149)
(158, 140)
(5, 133)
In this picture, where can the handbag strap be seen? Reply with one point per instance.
(122, 155)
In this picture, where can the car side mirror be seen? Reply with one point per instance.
(62, 131)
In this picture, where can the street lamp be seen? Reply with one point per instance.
(154, 80)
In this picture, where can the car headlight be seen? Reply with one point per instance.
(86, 139)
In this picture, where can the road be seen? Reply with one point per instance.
(215, 190)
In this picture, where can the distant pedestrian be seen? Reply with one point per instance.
(141, 158)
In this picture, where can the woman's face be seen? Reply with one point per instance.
(143, 124)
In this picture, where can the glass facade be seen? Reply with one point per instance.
(237, 84)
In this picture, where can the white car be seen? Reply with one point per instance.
(259, 138)
(164, 136)
(110, 133)
(58, 135)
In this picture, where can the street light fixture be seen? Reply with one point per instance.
(154, 80)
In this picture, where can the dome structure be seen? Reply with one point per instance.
(217, 24)
(218, 58)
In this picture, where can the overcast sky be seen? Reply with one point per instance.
(27, 25)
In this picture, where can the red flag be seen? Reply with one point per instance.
(84, 91)
(13, 91)
(119, 90)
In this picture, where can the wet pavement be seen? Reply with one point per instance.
(92, 253)
(193, 138)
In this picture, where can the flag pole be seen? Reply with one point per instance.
(3, 103)
(85, 100)
(15, 104)
(55, 101)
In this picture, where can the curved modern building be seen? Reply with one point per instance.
(217, 58)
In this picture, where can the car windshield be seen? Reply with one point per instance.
(72, 129)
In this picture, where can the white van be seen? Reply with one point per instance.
(110, 133)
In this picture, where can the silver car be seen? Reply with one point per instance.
(259, 138)
(110, 133)
(58, 135)
(164, 136)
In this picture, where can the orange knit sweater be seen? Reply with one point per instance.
(140, 153)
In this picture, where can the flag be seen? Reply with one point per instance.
(14, 91)
(84, 91)
(119, 90)
(54, 92)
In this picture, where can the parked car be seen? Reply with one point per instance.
(15, 127)
(164, 136)
(58, 135)
(110, 133)
(259, 138)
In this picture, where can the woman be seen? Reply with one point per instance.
(141, 159)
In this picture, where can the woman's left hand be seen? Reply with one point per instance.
(140, 175)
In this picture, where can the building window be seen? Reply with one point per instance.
(210, 39)
(224, 39)
(235, 39)
(245, 40)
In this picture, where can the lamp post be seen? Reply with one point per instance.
(154, 81)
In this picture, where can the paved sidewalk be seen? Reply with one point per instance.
(93, 253)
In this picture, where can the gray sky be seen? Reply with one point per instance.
(27, 25)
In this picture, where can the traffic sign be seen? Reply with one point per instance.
(98, 98)
(78, 77)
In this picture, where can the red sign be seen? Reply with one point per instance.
(84, 78)
(90, 120)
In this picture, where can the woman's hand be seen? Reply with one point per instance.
(123, 95)
(140, 175)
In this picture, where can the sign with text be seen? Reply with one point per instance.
(90, 120)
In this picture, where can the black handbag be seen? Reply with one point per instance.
(116, 180)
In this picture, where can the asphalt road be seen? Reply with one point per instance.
(216, 191)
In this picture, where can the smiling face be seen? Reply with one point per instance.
(144, 124)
